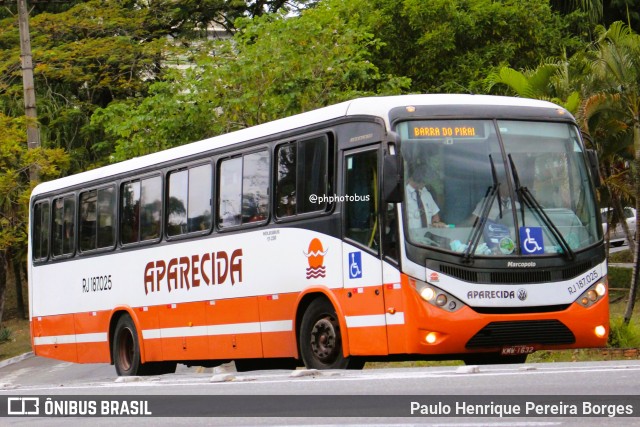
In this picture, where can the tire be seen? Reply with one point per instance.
(126, 352)
(126, 348)
(320, 338)
(493, 359)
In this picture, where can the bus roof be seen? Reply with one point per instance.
(371, 106)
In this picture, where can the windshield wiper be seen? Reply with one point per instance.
(528, 199)
(478, 225)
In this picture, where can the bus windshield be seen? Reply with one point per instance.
(497, 187)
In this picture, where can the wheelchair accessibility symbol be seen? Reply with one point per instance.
(531, 240)
(355, 265)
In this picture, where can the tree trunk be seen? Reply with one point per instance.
(3, 282)
(22, 313)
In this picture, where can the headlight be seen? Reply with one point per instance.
(594, 294)
(436, 296)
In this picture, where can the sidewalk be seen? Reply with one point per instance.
(621, 264)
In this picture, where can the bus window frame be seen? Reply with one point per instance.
(332, 173)
(116, 228)
(374, 147)
(74, 196)
(216, 191)
(129, 179)
(165, 217)
(48, 200)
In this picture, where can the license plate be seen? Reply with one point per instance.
(514, 350)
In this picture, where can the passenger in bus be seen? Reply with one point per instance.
(422, 209)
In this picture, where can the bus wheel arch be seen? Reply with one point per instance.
(321, 334)
(127, 349)
(113, 323)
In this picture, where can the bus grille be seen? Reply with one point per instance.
(498, 334)
(571, 272)
(505, 277)
(536, 276)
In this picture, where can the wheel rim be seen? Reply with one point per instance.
(125, 349)
(324, 340)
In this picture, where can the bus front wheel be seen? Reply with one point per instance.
(320, 338)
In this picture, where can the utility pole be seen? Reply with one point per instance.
(33, 131)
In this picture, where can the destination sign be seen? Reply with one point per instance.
(456, 129)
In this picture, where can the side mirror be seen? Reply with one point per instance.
(392, 179)
(592, 157)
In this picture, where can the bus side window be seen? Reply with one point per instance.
(88, 220)
(40, 236)
(244, 189)
(286, 180)
(230, 191)
(130, 211)
(199, 205)
(302, 174)
(106, 217)
(150, 208)
(63, 226)
(177, 203)
(312, 173)
(189, 204)
(360, 208)
(255, 187)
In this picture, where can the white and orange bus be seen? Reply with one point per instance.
(301, 242)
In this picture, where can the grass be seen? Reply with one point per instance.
(15, 336)
(19, 340)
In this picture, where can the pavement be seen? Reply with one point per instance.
(621, 264)
(16, 359)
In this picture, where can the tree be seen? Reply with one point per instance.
(616, 67)
(15, 187)
(448, 46)
(275, 66)
(613, 142)
(550, 81)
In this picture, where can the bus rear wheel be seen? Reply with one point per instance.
(320, 338)
(126, 352)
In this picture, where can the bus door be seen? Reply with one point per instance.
(363, 302)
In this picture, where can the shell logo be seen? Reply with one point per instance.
(315, 258)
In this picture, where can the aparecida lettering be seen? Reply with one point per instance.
(186, 272)
(491, 294)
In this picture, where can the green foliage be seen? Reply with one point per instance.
(15, 186)
(623, 335)
(275, 66)
(621, 257)
(619, 278)
(449, 46)
(5, 334)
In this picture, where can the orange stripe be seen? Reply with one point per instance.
(198, 330)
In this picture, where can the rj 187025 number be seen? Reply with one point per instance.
(587, 280)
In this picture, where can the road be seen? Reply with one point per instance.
(354, 397)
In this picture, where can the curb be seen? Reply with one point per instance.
(16, 359)
(621, 264)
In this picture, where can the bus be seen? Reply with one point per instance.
(300, 242)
